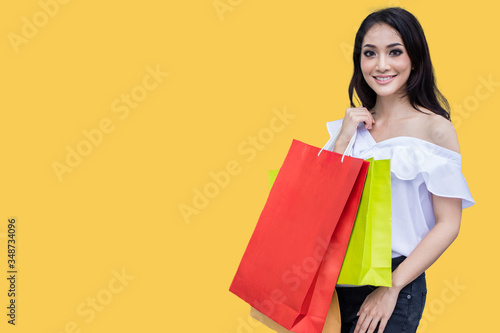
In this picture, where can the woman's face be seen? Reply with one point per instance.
(384, 55)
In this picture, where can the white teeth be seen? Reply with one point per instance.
(384, 78)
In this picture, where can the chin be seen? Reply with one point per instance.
(387, 92)
(384, 93)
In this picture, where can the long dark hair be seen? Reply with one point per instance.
(421, 87)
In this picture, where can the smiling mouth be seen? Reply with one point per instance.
(384, 79)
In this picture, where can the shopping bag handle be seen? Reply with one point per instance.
(329, 145)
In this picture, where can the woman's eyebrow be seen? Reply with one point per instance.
(390, 45)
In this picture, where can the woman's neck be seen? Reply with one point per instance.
(391, 108)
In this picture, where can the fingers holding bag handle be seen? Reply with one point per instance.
(352, 118)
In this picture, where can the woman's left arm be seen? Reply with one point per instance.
(379, 305)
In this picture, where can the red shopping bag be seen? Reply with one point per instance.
(292, 261)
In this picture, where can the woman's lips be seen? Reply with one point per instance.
(385, 81)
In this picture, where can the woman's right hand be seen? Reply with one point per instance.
(352, 118)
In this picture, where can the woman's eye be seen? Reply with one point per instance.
(396, 51)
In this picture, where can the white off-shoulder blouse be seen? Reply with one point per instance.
(418, 168)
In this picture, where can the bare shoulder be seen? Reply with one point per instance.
(441, 132)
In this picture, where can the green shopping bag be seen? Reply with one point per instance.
(272, 177)
(368, 257)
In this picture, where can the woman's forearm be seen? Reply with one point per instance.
(340, 146)
(430, 248)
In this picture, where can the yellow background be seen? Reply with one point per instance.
(119, 209)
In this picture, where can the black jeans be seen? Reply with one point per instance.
(406, 315)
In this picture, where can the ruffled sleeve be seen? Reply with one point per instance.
(332, 127)
(413, 158)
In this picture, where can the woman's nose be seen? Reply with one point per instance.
(382, 63)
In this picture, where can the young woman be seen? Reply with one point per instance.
(402, 120)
